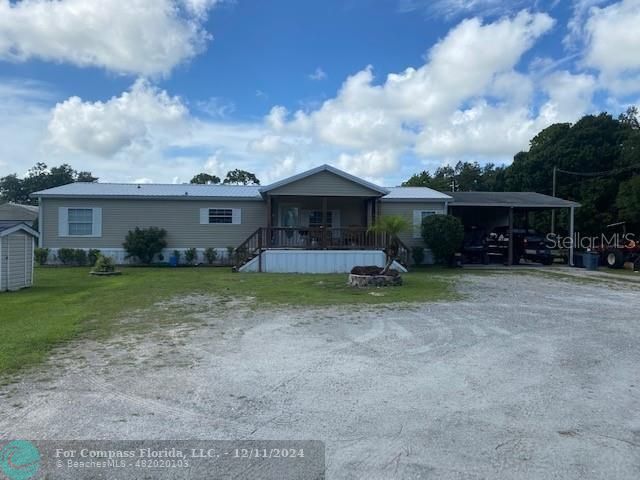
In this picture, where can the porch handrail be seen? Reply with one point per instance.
(316, 238)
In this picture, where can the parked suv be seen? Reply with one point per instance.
(527, 244)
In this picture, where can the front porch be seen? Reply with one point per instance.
(323, 209)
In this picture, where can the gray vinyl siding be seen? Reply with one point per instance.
(3, 263)
(406, 209)
(16, 261)
(180, 218)
(324, 184)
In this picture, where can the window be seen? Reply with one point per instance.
(79, 222)
(418, 218)
(315, 219)
(220, 215)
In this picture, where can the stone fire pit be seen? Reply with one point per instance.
(373, 277)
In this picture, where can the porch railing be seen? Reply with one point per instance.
(311, 238)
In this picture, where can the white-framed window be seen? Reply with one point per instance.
(79, 222)
(418, 218)
(220, 215)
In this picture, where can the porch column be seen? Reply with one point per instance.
(571, 235)
(324, 222)
(269, 221)
(510, 261)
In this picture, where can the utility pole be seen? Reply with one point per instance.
(553, 210)
(453, 185)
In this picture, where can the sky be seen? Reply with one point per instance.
(160, 90)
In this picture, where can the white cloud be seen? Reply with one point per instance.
(147, 37)
(106, 128)
(613, 43)
(576, 24)
(216, 107)
(371, 125)
(470, 99)
(318, 74)
(459, 8)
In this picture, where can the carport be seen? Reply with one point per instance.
(500, 206)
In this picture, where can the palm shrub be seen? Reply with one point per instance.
(42, 255)
(391, 226)
(80, 257)
(104, 265)
(145, 243)
(417, 253)
(67, 256)
(443, 234)
(190, 255)
(210, 254)
(93, 255)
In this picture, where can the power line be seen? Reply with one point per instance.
(601, 173)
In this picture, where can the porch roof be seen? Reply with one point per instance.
(324, 168)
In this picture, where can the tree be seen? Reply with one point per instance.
(391, 226)
(205, 179)
(39, 177)
(628, 200)
(241, 177)
(630, 118)
(443, 234)
(463, 177)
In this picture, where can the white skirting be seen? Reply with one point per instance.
(315, 261)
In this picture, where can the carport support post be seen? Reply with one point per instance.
(571, 235)
(510, 261)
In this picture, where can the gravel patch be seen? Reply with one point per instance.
(528, 377)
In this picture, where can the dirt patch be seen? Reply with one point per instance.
(527, 377)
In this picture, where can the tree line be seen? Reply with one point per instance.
(598, 162)
(40, 177)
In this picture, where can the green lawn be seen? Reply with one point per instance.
(67, 302)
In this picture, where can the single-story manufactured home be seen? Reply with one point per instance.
(17, 243)
(315, 221)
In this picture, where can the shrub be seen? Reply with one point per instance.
(41, 255)
(93, 255)
(230, 251)
(67, 256)
(191, 255)
(104, 265)
(443, 234)
(210, 254)
(145, 243)
(80, 257)
(417, 253)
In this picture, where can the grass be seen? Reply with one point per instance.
(68, 302)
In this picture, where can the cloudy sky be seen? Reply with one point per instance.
(159, 90)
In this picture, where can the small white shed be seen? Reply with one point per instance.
(17, 244)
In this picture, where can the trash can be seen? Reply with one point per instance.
(173, 261)
(591, 260)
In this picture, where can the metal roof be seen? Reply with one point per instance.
(327, 168)
(413, 193)
(10, 226)
(30, 208)
(509, 199)
(152, 190)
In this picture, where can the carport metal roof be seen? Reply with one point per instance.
(508, 199)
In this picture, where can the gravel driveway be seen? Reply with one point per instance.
(528, 377)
